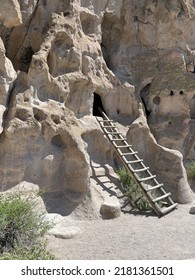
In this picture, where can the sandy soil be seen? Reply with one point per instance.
(131, 236)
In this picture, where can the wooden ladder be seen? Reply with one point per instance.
(154, 192)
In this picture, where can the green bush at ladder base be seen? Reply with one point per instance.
(132, 191)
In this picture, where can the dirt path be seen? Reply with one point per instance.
(131, 237)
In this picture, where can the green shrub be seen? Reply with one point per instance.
(21, 229)
(35, 252)
(132, 191)
(190, 169)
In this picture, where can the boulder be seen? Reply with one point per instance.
(110, 209)
(192, 210)
(10, 14)
(68, 232)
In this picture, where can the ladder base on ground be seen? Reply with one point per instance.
(154, 192)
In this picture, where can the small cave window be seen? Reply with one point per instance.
(181, 92)
(66, 14)
(156, 100)
(58, 141)
(136, 18)
(171, 93)
(97, 103)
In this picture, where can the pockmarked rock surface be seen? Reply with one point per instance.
(60, 61)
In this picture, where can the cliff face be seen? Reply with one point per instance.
(54, 55)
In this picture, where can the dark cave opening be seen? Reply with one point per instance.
(97, 103)
(26, 58)
(143, 94)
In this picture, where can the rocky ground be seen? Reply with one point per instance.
(131, 236)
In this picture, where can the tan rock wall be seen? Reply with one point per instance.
(127, 52)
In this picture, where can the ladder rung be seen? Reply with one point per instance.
(105, 120)
(135, 161)
(112, 132)
(155, 187)
(126, 146)
(133, 153)
(168, 209)
(119, 139)
(109, 126)
(128, 154)
(140, 170)
(161, 197)
(147, 178)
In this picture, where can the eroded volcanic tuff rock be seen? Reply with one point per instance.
(61, 59)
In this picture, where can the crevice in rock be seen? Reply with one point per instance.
(27, 54)
(5, 34)
(106, 56)
(26, 57)
(112, 29)
(9, 102)
(143, 94)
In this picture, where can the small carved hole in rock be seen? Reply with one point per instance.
(21, 114)
(66, 14)
(55, 119)
(135, 18)
(181, 92)
(61, 99)
(118, 111)
(171, 93)
(97, 103)
(39, 115)
(58, 141)
(156, 100)
(170, 123)
(26, 99)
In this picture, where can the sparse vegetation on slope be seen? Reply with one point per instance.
(190, 169)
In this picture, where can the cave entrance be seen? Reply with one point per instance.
(97, 103)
